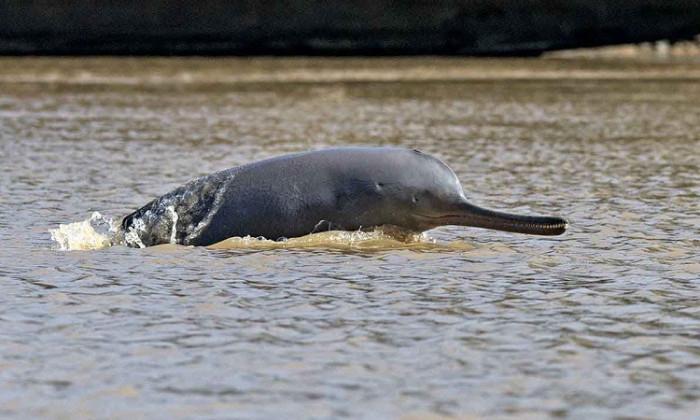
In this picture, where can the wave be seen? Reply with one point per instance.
(96, 232)
(100, 232)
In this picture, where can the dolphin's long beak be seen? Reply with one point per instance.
(471, 215)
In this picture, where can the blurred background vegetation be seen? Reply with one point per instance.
(363, 27)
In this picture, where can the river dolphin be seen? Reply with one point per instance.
(349, 188)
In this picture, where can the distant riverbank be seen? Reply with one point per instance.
(623, 63)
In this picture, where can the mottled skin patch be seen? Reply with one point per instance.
(193, 203)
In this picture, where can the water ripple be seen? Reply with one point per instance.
(601, 322)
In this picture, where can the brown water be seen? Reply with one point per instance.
(603, 321)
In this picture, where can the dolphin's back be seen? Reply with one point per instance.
(285, 196)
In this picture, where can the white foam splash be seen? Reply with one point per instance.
(173, 232)
(97, 232)
(131, 236)
(381, 238)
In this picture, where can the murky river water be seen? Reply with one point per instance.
(602, 321)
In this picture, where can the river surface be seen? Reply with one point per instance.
(603, 321)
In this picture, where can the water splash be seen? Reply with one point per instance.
(379, 239)
(100, 232)
(131, 236)
(96, 232)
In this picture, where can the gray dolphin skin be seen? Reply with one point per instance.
(333, 189)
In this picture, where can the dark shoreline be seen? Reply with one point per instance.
(337, 28)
